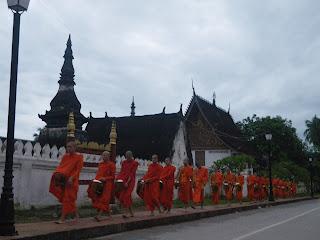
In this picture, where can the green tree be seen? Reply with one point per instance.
(312, 133)
(285, 144)
(236, 163)
(36, 134)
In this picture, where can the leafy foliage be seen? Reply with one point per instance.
(235, 163)
(312, 133)
(285, 143)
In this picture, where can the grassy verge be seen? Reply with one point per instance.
(51, 213)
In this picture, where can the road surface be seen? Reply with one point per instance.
(297, 221)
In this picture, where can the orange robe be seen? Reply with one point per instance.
(201, 176)
(216, 179)
(185, 184)
(250, 185)
(264, 187)
(106, 173)
(229, 178)
(294, 189)
(281, 188)
(275, 187)
(70, 166)
(257, 189)
(240, 180)
(128, 175)
(166, 193)
(151, 191)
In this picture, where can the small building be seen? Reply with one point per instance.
(212, 132)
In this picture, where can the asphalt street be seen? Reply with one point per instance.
(296, 221)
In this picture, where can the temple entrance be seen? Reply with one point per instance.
(200, 158)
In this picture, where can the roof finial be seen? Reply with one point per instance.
(214, 98)
(164, 109)
(229, 108)
(67, 70)
(180, 108)
(133, 107)
(194, 92)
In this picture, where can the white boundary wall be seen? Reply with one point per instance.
(33, 167)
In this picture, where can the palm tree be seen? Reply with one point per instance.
(312, 133)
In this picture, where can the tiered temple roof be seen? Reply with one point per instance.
(220, 121)
(144, 135)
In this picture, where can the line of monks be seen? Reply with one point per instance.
(156, 187)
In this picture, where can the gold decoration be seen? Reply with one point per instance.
(113, 134)
(71, 127)
(108, 147)
(93, 145)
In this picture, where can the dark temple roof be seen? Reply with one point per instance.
(221, 122)
(143, 135)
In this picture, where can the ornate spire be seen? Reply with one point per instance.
(71, 126)
(113, 133)
(67, 70)
(214, 98)
(133, 107)
(194, 92)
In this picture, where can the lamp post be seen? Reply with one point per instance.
(311, 177)
(268, 138)
(7, 227)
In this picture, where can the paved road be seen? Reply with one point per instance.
(298, 221)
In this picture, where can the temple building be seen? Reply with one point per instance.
(206, 133)
(212, 132)
(163, 134)
(64, 102)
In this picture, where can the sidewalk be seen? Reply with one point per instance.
(88, 228)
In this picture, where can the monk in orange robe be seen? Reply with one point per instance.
(200, 179)
(105, 174)
(257, 188)
(185, 179)
(294, 189)
(167, 185)
(151, 181)
(265, 184)
(66, 190)
(127, 175)
(281, 188)
(275, 187)
(239, 187)
(216, 186)
(229, 181)
(250, 185)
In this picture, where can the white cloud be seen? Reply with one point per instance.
(261, 57)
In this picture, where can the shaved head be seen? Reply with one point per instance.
(105, 156)
(71, 147)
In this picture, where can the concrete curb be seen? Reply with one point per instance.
(135, 224)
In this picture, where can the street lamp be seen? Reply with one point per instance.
(268, 138)
(7, 227)
(311, 176)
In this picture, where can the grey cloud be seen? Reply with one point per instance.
(260, 56)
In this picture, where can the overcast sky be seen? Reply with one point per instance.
(261, 56)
